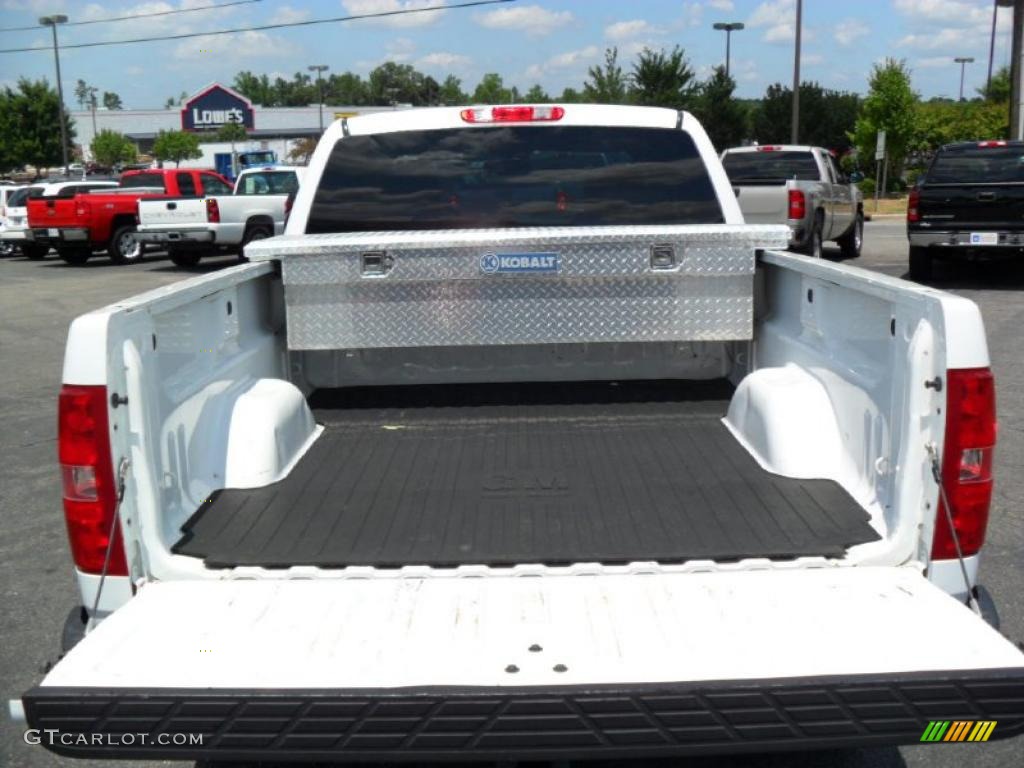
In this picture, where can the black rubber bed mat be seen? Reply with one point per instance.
(535, 473)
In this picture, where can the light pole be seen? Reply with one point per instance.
(318, 68)
(728, 28)
(963, 61)
(52, 22)
(794, 136)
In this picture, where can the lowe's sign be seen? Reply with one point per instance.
(214, 107)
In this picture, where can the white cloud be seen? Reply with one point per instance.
(360, 7)
(444, 60)
(722, 5)
(209, 50)
(778, 18)
(400, 49)
(628, 30)
(564, 61)
(933, 62)
(949, 39)
(531, 19)
(693, 14)
(942, 12)
(288, 15)
(848, 31)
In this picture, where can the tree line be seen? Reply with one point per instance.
(839, 120)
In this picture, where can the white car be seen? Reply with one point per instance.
(7, 191)
(191, 227)
(15, 232)
(521, 445)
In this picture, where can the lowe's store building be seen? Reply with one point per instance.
(274, 128)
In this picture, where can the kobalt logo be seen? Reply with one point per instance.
(519, 262)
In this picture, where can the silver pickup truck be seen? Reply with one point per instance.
(802, 187)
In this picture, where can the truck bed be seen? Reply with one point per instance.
(538, 473)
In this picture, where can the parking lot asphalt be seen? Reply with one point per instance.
(39, 299)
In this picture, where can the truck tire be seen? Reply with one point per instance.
(920, 263)
(122, 247)
(35, 251)
(183, 258)
(76, 256)
(257, 231)
(814, 247)
(851, 242)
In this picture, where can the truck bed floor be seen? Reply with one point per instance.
(536, 473)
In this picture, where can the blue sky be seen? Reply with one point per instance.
(552, 42)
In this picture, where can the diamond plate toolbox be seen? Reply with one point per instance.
(521, 286)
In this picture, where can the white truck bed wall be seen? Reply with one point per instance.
(835, 387)
(829, 382)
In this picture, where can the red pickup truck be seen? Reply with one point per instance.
(90, 222)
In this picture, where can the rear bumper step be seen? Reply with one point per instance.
(597, 721)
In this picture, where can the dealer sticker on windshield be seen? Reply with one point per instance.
(984, 238)
(519, 263)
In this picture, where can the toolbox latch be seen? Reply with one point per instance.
(663, 257)
(376, 264)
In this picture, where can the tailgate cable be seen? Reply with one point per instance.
(122, 472)
(937, 474)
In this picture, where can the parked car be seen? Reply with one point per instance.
(802, 187)
(969, 203)
(84, 224)
(7, 190)
(17, 229)
(611, 512)
(191, 228)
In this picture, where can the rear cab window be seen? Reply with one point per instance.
(268, 183)
(137, 180)
(212, 185)
(977, 165)
(765, 165)
(513, 176)
(21, 196)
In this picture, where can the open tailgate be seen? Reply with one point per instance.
(525, 667)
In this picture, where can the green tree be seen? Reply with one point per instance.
(890, 106)
(661, 79)
(176, 146)
(607, 84)
(256, 88)
(110, 148)
(112, 100)
(536, 95)
(826, 117)
(937, 123)
(451, 92)
(231, 132)
(570, 96)
(392, 83)
(492, 90)
(82, 93)
(724, 119)
(346, 88)
(302, 150)
(999, 89)
(30, 126)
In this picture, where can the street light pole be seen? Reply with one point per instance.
(794, 136)
(728, 28)
(963, 61)
(52, 22)
(318, 68)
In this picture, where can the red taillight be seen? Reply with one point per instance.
(769, 148)
(913, 201)
(90, 495)
(288, 203)
(512, 114)
(966, 462)
(82, 208)
(994, 143)
(212, 211)
(797, 204)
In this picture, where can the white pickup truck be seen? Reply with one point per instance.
(520, 444)
(189, 227)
